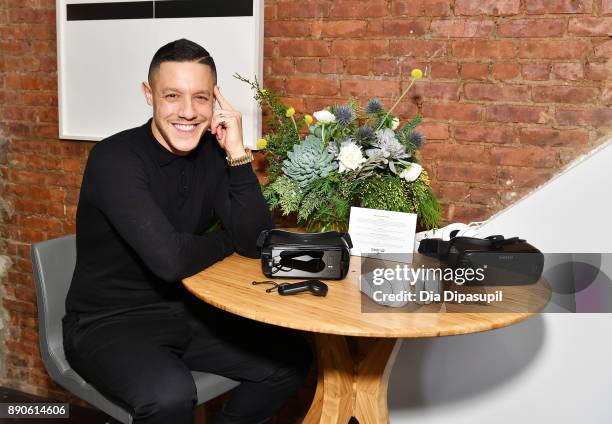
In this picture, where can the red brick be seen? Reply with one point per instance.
(407, 64)
(596, 117)
(293, 48)
(541, 7)
(568, 71)
(510, 113)
(524, 177)
(358, 67)
(466, 213)
(599, 71)
(553, 138)
(269, 12)
(29, 82)
(531, 28)
(564, 94)
(434, 90)
(282, 66)
(535, 71)
(496, 92)
(606, 96)
(444, 70)
(485, 196)
(404, 27)
(453, 152)
(345, 28)
(606, 7)
(450, 192)
(420, 7)
(434, 131)
(487, 7)
(461, 28)
(594, 27)
(505, 71)
(358, 48)
(369, 88)
(285, 29)
(307, 65)
(476, 71)
(317, 87)
(485, 134)
(332, 66)
(358, 9)
(474, 49)
(453, 111)
(416, 48)
(300, 9)
(524, 156)
(553, 49)
(467, 173)
(604, 50)
(387, 67)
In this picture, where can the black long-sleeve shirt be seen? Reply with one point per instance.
(141, 217)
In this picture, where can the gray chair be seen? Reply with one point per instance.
(53, 262)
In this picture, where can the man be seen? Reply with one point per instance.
(148, 194)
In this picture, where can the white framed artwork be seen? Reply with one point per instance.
(105, 47)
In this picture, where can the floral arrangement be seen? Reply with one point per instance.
(345, 155)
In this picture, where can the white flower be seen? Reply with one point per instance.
(395, 123)
(412, 172)
(350, 156)
(325, 116)
(388, 143)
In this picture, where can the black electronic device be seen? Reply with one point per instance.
(316, 287)
(286, 254)
(503, 261)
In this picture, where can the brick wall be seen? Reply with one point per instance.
(513, 91)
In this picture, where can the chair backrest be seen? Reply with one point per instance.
(53, 262)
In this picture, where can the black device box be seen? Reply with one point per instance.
(510, 261)
(286, 254)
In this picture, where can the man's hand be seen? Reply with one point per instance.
(227, 127)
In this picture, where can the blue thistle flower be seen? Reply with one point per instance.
(344, 115)
(374, 106)
(365, 134)
(416, 138)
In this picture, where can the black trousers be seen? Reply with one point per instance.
(143, 361)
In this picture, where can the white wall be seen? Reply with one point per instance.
(553, 368)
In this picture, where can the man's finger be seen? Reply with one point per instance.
(222, 101)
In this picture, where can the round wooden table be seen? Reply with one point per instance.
(356, 341)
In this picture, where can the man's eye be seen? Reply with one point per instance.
(202, 98)
(170, 96)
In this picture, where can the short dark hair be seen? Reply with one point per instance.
(182, 50)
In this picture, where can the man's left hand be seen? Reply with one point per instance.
(227, 127)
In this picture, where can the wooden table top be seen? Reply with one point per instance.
(347, 311)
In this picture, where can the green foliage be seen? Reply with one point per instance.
(283, 193)
(308, 161)
(424, 202)
(302, 172)
(386, 192)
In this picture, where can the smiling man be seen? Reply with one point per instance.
(148, 195)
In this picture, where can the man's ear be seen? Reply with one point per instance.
(148, 93)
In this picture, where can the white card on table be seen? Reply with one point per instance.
(378, 233)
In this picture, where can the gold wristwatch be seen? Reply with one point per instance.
(241, 160)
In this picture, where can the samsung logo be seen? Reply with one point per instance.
(506, 257)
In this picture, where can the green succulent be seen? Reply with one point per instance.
(308, 160)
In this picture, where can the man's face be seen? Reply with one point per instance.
(181, 94)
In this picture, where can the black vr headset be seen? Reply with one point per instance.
(510, 261)
(305, 255)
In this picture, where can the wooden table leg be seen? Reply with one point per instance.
(353, 378)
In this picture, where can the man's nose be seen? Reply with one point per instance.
(187, 110)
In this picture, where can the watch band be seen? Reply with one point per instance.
(241, 160)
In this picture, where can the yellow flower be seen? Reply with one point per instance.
(290, 112)
(308, 119)
(264, 92)
(262, 143)
(416, 73)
